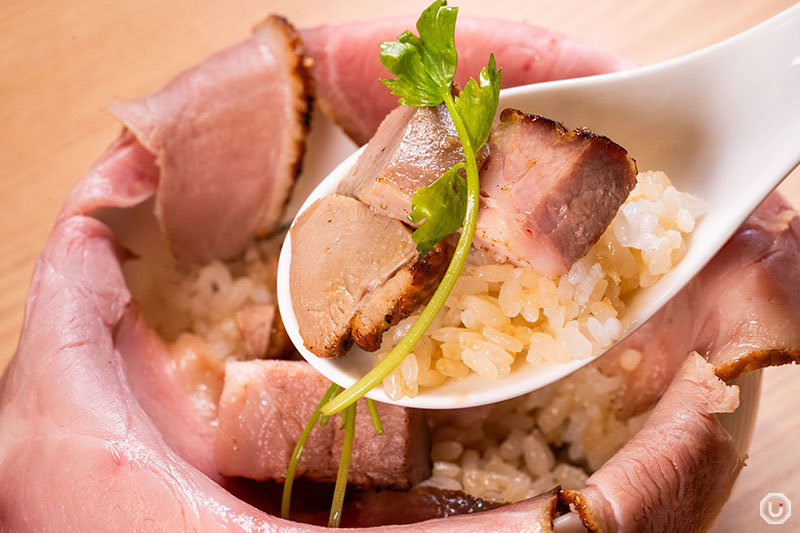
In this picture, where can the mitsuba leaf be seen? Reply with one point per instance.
(437, 30)
(477, 103)
(423, 66)
(441, 205)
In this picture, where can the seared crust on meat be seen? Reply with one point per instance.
(228, 151)
(601, 178)
(400, 296)
(548, 193)
(302, 85)
(354, 273)
(575, 499)
(514, 115)
(412, 148)
(731, 369)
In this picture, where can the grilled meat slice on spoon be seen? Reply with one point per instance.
(700, 118)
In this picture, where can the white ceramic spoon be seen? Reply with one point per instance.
(723, 122)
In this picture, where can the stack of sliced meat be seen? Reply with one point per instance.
(354, 273)
(99, 430)
(547, 195)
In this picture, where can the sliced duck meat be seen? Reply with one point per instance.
(265, 406)
(378, 508)
(547, 193)
(677, 471)
(419, 506)
(347, 69)
(741, 312)
(354, 273)
(125, 175)
(421, 503)
(177, 390)
(73, 429)
(228, 136)
(262, 332)
(362, 507)
(754, 284)
(411, 149)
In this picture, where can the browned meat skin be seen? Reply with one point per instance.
(400, 296)
(741, 312)
(549, 193)
(354, 273)
(677, 471)
(411, 149)
(266, 404)
(754, 284)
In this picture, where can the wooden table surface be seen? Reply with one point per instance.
(62, 62)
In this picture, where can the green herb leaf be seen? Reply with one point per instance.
(415, 85)
(477, 103)
(423, 66)
(441, 205)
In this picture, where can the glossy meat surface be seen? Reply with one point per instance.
(266, 404)
(411, 149)
(354, 273)
(547, 193)
(228, 136)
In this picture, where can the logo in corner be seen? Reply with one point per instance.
(776, 508)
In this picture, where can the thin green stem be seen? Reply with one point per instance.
(286, 500)
(339, 489)
(372, 378)
(375, 416)
(323, 421)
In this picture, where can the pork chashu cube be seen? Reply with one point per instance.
(411, 149)
(547, 193)
(264, 407)
(355, 273)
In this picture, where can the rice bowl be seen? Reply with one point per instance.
(556, 436)
(513, 450)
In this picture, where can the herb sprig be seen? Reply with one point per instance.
(424, 67)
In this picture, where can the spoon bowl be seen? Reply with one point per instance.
(723, 122)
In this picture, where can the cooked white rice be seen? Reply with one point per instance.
(198, 308)
(499, 312)
(522, 447)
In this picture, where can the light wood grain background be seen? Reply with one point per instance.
(62, 62)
